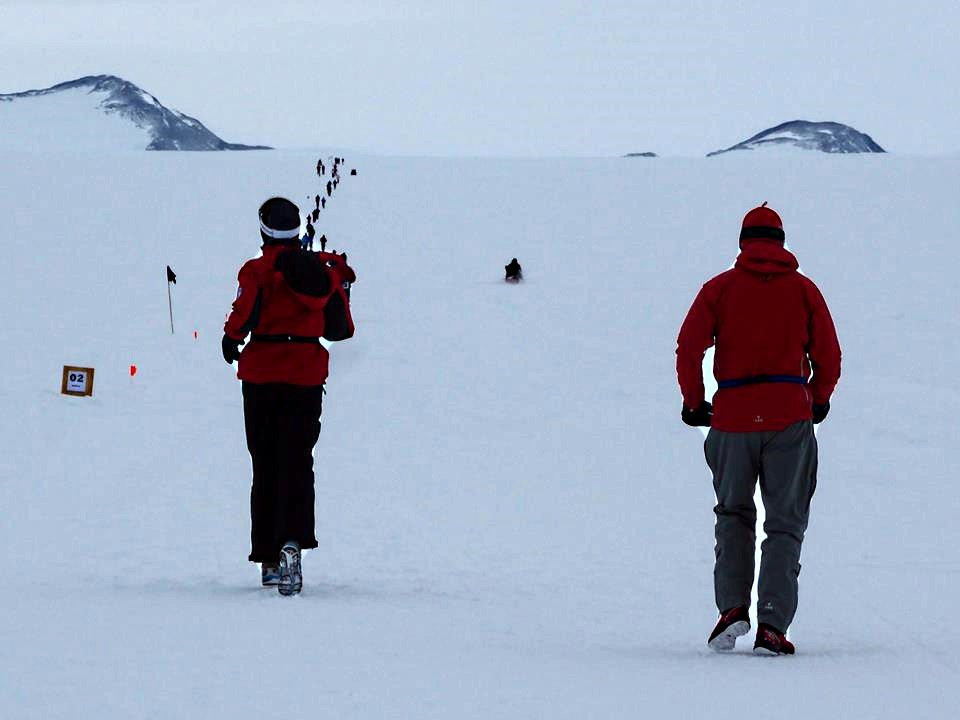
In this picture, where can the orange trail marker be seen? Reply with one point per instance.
(133, 370)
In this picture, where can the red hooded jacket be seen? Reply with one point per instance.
(267, 305)
(771, 328)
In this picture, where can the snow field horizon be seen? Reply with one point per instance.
(513, 521)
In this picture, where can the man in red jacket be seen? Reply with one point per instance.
(282, 300)
(772, 330)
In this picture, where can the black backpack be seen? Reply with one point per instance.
(311, 274)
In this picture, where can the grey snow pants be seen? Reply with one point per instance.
(785, 462)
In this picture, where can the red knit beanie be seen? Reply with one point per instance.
(762, 223)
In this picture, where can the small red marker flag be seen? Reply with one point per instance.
(133, 370)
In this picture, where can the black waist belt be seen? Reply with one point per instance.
(285, 339)
(759, 379)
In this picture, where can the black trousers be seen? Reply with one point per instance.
(283, 424)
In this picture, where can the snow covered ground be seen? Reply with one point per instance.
(513, 522)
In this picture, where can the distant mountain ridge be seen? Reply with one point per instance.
(164, 129)
(827, 137)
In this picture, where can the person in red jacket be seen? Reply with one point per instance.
(282, 302)
(776, 362)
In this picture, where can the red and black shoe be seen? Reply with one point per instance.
(771, 641)
(732, 624)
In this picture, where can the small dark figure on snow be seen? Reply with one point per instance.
(776, 329)
(353, 171)
(319, 168)
(315, 214)
(323, 243)
(329, 188)
(323, 202)
(317, 201)
(514, 273)
(285, 303)
(311, 233)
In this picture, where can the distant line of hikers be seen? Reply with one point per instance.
(320, 203)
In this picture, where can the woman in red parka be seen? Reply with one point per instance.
(777, 361)
(281, 303)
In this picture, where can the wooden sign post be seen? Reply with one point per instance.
(77, 381)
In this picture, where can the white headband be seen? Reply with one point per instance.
(279, 234)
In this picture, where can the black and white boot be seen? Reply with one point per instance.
(269, 574)
(291, 577)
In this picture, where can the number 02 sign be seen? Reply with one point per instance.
(77, 381)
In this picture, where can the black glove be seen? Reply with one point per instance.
(231, 348)
(820, 412)
(700, 417)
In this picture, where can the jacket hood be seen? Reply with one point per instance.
(766, 258)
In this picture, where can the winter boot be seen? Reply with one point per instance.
(771, 641)
(269, 574)
(291, 578)
(732, 624)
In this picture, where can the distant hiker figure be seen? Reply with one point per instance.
(514, 273)
(311, 233)
(317, 200)
(319, 168)
(353, 171)
(770, 327)
(316, 214)
(329, 188)
(286, 302)
(323, 243)
(323, 202)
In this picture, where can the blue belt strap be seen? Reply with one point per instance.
(758, 379)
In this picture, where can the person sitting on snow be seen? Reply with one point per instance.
(514, 273)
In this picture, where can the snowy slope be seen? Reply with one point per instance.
(513, 522)
(100, 113)
(826, 137)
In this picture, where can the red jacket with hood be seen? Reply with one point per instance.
(267, 305)
(771, 328)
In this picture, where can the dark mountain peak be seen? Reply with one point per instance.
(827, 137)
(167, 129)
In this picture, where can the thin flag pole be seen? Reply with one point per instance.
(171, 278)
(170, 304)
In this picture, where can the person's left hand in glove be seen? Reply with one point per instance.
(820, 412)
(231, 348)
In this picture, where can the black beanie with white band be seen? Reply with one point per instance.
(279, 221)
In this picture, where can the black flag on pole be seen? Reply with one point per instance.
(171, 276)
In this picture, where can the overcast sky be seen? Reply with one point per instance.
(511, 77)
